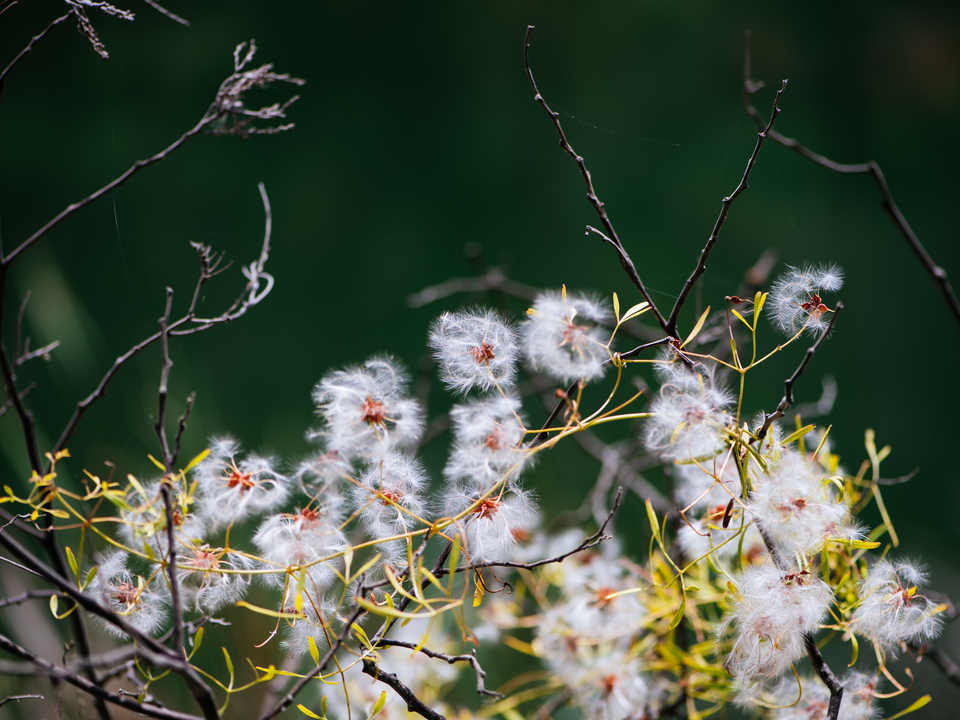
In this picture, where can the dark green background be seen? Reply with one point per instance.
(417, 134)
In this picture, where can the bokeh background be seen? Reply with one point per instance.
(417, 136)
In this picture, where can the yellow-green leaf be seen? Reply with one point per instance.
(697, 328)
(616, 306)
(91, 574)
(455, 554)
(157, 462)
(54, 603)
(197, 640)
(196, 461)
(361, 633)
(226, 656)
(916, 706)
(314, 653)
(269, 613)
(652, 516)
(678, 616)
(72, 560)
(856, 649)
(323, 705)
(758, 303)
(307, 712)
(742, 319)
(635, 311)
(798, 434)
(380, 703)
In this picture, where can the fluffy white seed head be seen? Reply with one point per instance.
(893, 608)
(689, 414)
(366, 410)
(562, 338)
(145, 524)
(493, 528)
(487, 441)
(232, 490)
(770, 614)
(798, 508)
(389, 495)
(301, 540)
(794, 302)
(143, 606)
(708, 483)
(859, 701)
(475, 348)
(209, 584)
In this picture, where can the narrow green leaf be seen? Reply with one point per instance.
(308, 713)
(798, 434)
(148, 551)
(226, 656)
(856, 649)
(362, 635)
(455, 554)
(759, 300)
(72, 560)
(679, 614)
(916, 706)
(157, 463)
(380, 703)
(655, 526)
(196, 461)
(197, 641)
(742, 319)
(314, 653)
(91, 574)
(616, 306)
(323, 705)
(697, 328)
(636, 310)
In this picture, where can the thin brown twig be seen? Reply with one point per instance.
(671, 327)
(60, 673)
(414, 704)
(787, 400)
(613, 239)
(451, 659)
(871, 168)
(35, 39)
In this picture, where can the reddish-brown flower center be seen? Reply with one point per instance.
(205, 559)
(487, 508)
(603, 596)
(126, 594)
(238, 479)
(374, 412)
(483, 353)
(391, 497)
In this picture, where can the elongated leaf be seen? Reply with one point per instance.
(380, 703)
(798, 434)
(635, 311)
(654, 525)
(91, 574)
(856, 649)
(157, 463)
(269, 613)
(678, 616)
(72, 560)
(226, 657)
(323, 705)
(616, 307)
(698, 327)
(742, 319)
(196, 461)
(309, 713)
(54, 603)
(314, 653)
(916, 706)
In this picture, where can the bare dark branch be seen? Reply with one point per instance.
(671, 326)
(871, 168)
(787, 400)
(451, 659)
(60, 673)
(34, 40)
(613, 239)
(414, 704)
